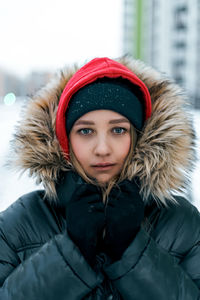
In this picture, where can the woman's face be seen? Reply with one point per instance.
(101, 141)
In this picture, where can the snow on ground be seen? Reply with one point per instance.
(12, 187)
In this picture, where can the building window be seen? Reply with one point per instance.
(180, 45)
(180, 18)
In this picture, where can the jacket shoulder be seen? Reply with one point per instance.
(29, 220)
(183, 211)
(178, 227)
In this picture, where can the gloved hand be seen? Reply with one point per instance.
(124, 213)
(68, 182)
(86, 219)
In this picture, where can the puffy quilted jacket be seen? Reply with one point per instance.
(38, 260)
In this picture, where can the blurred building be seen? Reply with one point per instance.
(165, 34)
(22, 87)
(9, 83)
(34, 81)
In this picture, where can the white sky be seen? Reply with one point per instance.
(48, 34)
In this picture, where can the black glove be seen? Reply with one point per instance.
(68, 183)
(86, 219)
(124, 214)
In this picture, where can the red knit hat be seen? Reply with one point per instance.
(95, 69)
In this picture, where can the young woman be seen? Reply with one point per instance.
(113, 146)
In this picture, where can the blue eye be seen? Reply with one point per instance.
(119, 130)
(89, 131)
(84, 131)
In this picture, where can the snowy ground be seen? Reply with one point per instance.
(12, 187)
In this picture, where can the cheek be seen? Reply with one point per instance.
(80, 150)
(124, 148)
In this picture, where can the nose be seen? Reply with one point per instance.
(102, 146)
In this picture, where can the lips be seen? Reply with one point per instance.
(102, 165)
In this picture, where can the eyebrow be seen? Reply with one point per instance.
(115, 121)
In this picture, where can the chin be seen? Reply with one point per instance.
(105, 181)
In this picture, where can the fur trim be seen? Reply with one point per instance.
(164, 153)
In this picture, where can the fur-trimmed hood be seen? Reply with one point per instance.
(164, 153)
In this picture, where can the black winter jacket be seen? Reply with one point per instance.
(38, 260)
